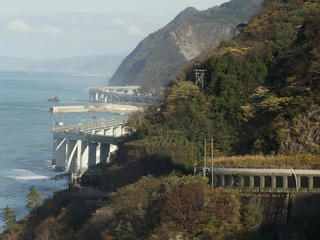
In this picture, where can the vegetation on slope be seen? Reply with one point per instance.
(261, 96)
(153, 208)
(261, 93)
(57, 219)
(163, 208)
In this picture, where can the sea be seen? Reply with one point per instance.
(25, 131)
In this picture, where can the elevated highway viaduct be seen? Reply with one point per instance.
(76, 148)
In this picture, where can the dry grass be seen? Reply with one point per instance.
(277, 161)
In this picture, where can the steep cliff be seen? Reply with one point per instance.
(161, 54)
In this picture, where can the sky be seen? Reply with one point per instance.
(39, 29)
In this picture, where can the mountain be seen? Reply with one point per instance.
(157, 58)
(105, 65)
(261, 91)
(11, 63)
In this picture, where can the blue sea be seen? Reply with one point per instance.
(25, 136)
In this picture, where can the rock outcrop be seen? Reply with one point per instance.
(304, 135)
(159, 56)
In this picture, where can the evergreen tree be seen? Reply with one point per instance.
(9, 217)
(33, 198)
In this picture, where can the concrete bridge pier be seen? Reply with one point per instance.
(262, 182)
(241, 181)
(83, 155)
(251, 181)
(60, 153)
(231, 179)
(310, 186)
(71, 155)
(285, 183)
(273, 182)
(223, 182)
(91, 97)
(92, 161)
(104, 152)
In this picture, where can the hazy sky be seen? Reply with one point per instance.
(62, 28)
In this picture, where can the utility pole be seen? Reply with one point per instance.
(200, 73)
(212, 183)
(205, 158)
(212, 149)
(197, 161)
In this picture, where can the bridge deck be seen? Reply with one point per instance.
(85, 128)
(115, 88)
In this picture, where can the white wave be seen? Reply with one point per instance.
(23, 174)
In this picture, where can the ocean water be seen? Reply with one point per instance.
(25, 137)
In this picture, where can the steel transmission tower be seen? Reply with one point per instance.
(200, 77)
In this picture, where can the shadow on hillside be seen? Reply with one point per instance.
(115, 175)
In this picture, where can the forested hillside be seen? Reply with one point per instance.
(261, 91)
